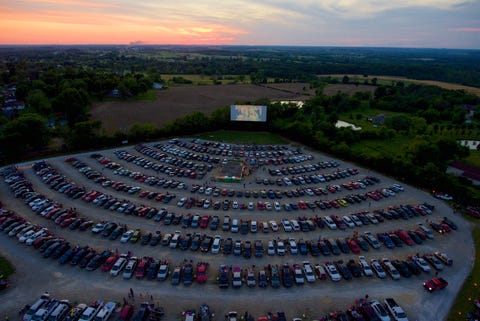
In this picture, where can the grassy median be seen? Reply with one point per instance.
(471, 288)
(6, 268)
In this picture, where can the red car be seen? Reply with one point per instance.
(435, 284)
(403, 235)
(204, 221)
(142, 267)
(109, 263)
(202, 272)
(352, 244)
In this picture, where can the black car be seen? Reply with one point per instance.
(227, 246)
(156, 238)
(223, 281)
(354, 268)
(119, 230)
(343, 269)
(287, 276)
(402, 267)
(450, 223)
(108, 229)
(214, 223)
(247, 249)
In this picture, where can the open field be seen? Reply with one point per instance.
(349, 89)
(389, 79)
(179, 101)
(244, 137)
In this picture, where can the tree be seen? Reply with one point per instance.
(38, 102)
(345, 79)
(72, 103)
(85, 134)
(25, 133)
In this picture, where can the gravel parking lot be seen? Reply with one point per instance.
(36, 274)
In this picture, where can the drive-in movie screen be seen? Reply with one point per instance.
(248, 113)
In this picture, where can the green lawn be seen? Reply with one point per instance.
(474, 158)
(393, 146)
(244, 137)
(470, 291)
(6, 268)
(206, 80)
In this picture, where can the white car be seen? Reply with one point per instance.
(126, 236)
(308, 271)
(253, 226)
(216, 244)
(298, 275)
(426, 230)
(25, 236)
(235, 205)
(98, 228)
(273, 226)
(391, 269)
(270, 248)
(295, 225)
(377, 267)
(356, 220)
(348, 221)
(330, 223)
(293, 245)
(280, 248)
(276, 206)
(380, 311)
(42, 232)
(181, 202)
(287, 226)
(234, 227)
(367, 270)
(250, 206)
(119, 265)
(422, 264)
(162, 272)
(130, 268)
(207, 203)
(332, 272)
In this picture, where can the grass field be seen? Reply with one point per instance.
(349, 89)
(179, 101)
(387, 80)
(393, 146)
(471, 287)
(207, 80)
(5, 267)
(474, 158)
(244, 137)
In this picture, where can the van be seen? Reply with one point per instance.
(174, 240)
(105, 312)
(60, 311)
(126, 313)
(90, 312)
(40, 303)
(40, 315)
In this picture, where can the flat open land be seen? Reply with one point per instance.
(180, 101)
(349, 89)
(36, 274)
(441, 84)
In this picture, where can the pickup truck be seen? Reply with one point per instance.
(395, 310)
(435, 284)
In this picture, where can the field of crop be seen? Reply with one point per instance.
(389, 79)
(179, 101)
(349, 89)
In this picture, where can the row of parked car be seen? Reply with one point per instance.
(262, 155)
(46, 308)
(88, 258)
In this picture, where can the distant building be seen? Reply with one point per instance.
(378, 120)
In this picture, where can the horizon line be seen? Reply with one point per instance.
(228, 45)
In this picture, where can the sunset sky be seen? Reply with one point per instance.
(386, 23)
